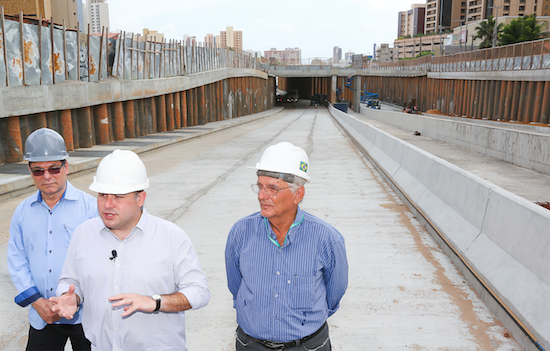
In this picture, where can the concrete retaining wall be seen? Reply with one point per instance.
(526, 149)
(26, 100)
(503, 237)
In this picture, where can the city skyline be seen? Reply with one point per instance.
(311, 26)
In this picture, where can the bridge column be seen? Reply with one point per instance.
(357, 94)
(332, 97)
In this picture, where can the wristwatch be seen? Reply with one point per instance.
(158, 300)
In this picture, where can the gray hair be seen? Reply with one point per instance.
(298, 182)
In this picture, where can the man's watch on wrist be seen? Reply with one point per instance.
(158, 300)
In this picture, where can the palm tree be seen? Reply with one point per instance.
(520, 29)
(486, 30)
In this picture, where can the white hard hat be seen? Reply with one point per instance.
(120, 172)
(285, 158)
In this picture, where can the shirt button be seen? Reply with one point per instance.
(50, 231)
(50, 251)
(118, 265)
(278, 273)
(280, 250)
(276, 295)
(116, 287)
(116, 330)
(50, 270)
(288, 282)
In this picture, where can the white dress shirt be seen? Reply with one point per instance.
(156, 258)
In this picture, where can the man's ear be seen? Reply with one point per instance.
(299, 194)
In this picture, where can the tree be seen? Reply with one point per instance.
(485, 31)
(520, 29)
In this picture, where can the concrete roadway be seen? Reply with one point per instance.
(403, 294)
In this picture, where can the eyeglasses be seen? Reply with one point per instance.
(269, 190)
(52, 170)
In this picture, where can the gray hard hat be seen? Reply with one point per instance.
(45, 144)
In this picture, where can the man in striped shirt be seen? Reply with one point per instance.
(287, 269)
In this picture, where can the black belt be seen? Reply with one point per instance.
(275, 345)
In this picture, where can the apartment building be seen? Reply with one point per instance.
(411, 22)
(97, 12)
(209, 41)
(289, 56)
(231, 39)
(445, 15)
(336, 54)
(383, 53)
(520, 7)
(69, 10)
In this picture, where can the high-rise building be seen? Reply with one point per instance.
(231, 39)
(411, 22)
(519, 8)
(69, 10)
(289, 56)
(349, 56)
(336, 54)
(383, 53)
(445, 15)
(209, 41)
(97, 12)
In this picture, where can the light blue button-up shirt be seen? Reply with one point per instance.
(285, 293)
(39, 238)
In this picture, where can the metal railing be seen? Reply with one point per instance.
(522, 56)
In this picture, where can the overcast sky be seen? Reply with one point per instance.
(314, 26)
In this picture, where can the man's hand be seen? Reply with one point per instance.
(66, 304)
(44, 309)
(133, 303)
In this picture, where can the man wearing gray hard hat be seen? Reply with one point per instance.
(287, 269)
(40, 231)
(135, 273)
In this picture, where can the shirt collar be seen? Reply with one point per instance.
(139, 228)
(289, 235)
(70, 193)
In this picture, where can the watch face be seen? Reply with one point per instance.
(155, 297)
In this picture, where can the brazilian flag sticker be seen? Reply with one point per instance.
(303, 166)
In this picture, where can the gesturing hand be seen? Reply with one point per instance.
(65, 305)
(133, 302)
(44, 309)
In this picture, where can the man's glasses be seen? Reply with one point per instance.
(52, 170)
(269, 190)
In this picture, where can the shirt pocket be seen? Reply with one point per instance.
(302, 292)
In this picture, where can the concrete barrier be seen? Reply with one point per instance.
(525, 148)
(502, 237)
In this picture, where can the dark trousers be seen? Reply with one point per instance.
(320, 342)
(54, 337)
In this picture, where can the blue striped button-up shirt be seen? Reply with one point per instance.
(285, 293)
(39, 238)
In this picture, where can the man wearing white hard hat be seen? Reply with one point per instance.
(40, 231)
(135, 273)
(287, 269)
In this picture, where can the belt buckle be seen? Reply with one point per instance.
(274, 345)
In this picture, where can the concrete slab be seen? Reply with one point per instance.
(404, 293)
